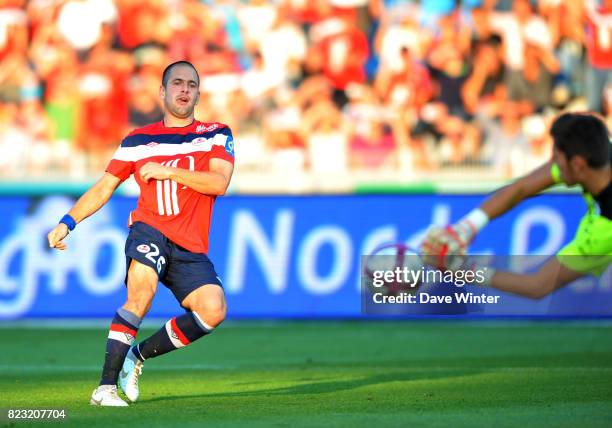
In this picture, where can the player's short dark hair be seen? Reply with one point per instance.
(582, 134)
(167, 70)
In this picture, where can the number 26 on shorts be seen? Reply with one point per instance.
(151, 255)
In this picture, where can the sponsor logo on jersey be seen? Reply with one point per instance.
(206, 128)
(143, 248)
(229, 146)
(153, 144)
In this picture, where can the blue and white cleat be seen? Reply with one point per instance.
(106, 395)
(128, 377)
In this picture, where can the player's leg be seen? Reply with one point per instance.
(141, 287)
(192, 279)
(207, 310)
(142, 284)
(208, 305)
(548, 278)
(195, 284)
(146, 254)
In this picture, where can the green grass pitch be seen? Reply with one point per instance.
(288, 374)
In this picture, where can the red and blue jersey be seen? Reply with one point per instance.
(179, 212)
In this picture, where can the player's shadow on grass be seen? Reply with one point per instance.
(324, 387)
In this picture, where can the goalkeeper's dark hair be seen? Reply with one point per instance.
(167, 70)
(582, 134)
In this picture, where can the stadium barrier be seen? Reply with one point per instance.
(278, 256)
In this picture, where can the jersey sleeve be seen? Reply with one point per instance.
(590, 252)
(224, 146)
(120, 166)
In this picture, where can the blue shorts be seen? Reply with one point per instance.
(177, 268)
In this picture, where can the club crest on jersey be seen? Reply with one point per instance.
(199, 141)
(143, 248)
(152, 144)
(206, 128)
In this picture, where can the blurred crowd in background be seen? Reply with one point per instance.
(320, 87)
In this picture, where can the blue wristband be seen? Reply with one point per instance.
(68, 221)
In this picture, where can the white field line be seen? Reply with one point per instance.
(16, 368)
(44, 368)
(86, 324)
(97, 323)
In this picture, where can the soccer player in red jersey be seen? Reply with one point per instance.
(181, 165)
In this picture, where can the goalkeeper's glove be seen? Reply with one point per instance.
(445, 247)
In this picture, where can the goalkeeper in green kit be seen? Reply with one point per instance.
(581, 156)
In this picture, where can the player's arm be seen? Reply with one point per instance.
(550, 277)
(504, 199)
(457, 236)
(89, 203)
(212, 182)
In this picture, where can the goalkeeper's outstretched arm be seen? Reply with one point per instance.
(548, 278)
(504, 199)
(89, 203)
(441, 241)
